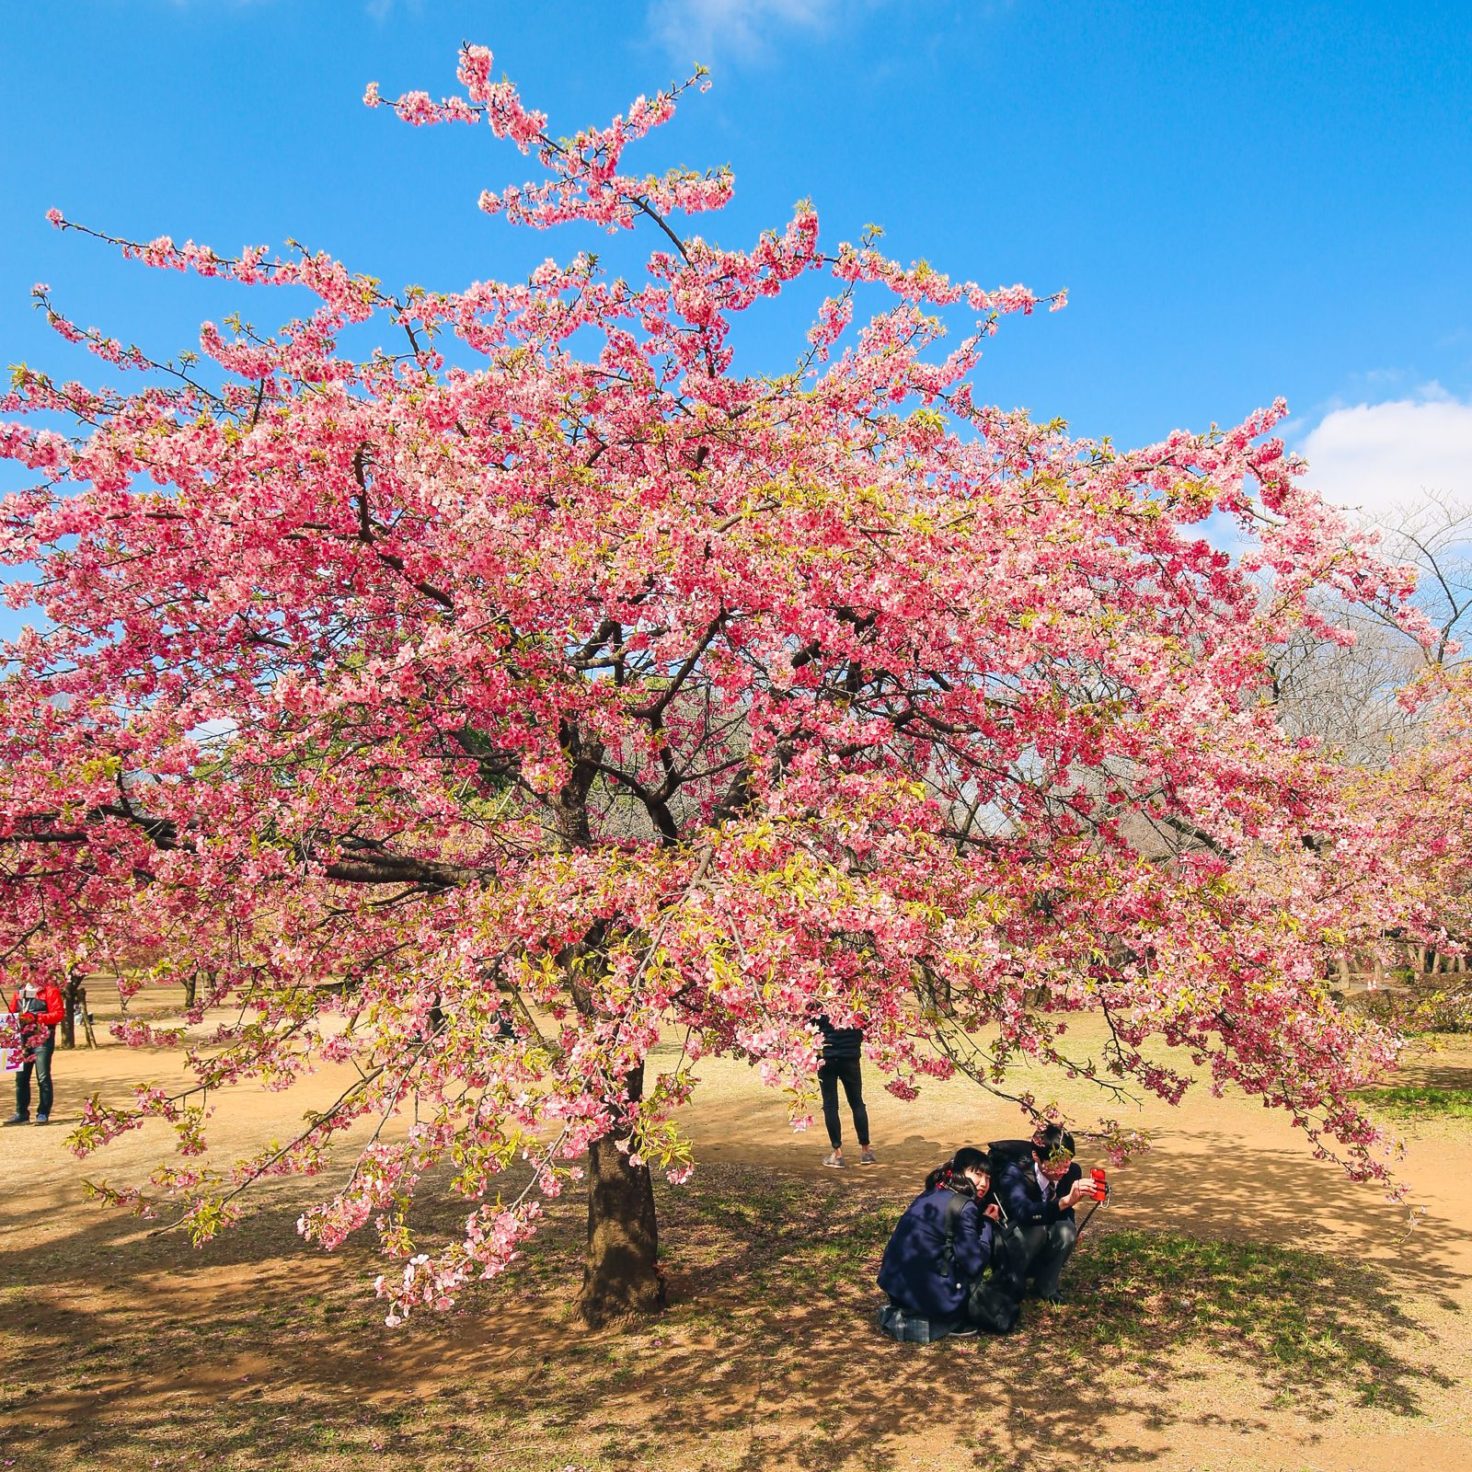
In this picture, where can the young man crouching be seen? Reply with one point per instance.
(1038, 1193)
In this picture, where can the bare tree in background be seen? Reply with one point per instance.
(1346, 697)
(1435, 535)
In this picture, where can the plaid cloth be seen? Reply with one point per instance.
(910, 1328)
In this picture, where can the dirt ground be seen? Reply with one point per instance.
(122, 1349)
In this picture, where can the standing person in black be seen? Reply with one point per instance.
(842, 1047)
(1038, 1194)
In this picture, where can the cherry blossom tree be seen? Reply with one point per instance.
(446, 658)
(1428, 813)
(1394, 710)
(1423, 816)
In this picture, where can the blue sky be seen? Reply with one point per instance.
(1244, 199)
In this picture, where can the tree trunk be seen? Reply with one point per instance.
(621, 1274)
(621, 1271)
(69, 1022)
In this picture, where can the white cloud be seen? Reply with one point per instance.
(704, 30)
(1378, 457)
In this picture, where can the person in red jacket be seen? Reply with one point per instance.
(37, 1010)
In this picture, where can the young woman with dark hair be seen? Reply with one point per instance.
(938, 1252)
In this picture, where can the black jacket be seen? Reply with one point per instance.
(1022, 1198)
(840, 1042)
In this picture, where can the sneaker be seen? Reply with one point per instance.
(834, 1161)
(19, 1119)
(868, 1157)
(43, 1119)
(966, 1331)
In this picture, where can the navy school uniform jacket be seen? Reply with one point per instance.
(913, 1272)
(1022, 1198)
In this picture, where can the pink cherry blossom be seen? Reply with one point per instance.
(478, 686)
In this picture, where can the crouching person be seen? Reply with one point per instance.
(1038, 1194)
(933, 1265)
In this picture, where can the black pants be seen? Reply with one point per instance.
(1039, 1253)
(39, 1059)
(845, 1071)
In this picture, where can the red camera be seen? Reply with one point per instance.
(1100, 1187)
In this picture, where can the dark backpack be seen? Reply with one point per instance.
(954, 1207)
(989, 1305)
(1002, 1151)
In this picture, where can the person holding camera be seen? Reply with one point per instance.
(932, 1268)
(38, 1010)
(1037, 1194)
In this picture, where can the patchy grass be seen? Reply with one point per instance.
(1310, 1325)
(1419, 1101)
(272, 1358)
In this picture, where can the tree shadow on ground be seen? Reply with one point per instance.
(271, 1356)
(1223, 1194)
(1434, 1075)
